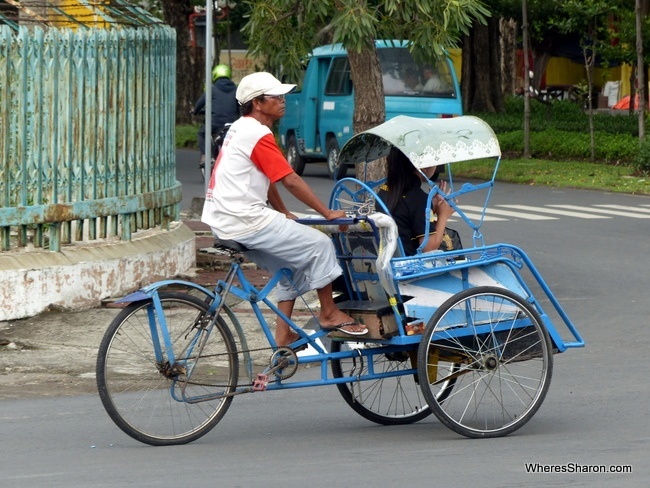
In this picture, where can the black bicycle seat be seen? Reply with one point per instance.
(230, 245)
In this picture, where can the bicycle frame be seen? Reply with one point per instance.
(247, 292)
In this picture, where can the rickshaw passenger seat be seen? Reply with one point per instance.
(360, 248)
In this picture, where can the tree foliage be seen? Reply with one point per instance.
(285, 31)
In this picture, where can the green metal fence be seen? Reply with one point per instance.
(87, 145)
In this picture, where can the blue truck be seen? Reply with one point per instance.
(318, 117)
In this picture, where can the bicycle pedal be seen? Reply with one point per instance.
(260, 382)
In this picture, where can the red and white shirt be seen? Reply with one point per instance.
(249, 161)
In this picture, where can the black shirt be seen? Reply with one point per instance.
(410, 216)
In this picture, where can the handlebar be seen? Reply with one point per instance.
(352, 219)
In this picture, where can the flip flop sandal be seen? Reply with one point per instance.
(341, 328)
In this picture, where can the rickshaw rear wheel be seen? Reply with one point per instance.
(396, 400)
(504, 362)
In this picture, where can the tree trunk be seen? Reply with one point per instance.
(525, 36)
(481, 73)
(639, 8)
(369, 103)
(632, 81)
(189, 62)
(590, 58)
(540, 63)
(508, 48)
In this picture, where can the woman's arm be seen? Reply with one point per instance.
(443, 211)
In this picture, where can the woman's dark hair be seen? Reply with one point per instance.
(400, 177)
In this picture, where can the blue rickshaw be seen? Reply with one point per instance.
(468, 334)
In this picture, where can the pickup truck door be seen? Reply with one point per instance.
(337, 103)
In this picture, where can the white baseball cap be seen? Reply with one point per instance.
(262, 83)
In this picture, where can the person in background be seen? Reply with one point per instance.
(407, 203)
(432, 81)
(393, 84)
(225, 108)
(246, 171)
(411, 80)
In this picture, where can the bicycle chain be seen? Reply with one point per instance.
(270, 371)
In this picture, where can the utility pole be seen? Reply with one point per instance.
(208, 93)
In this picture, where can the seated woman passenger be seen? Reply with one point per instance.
(406, 201)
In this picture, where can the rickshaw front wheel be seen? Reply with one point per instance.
(503, 362)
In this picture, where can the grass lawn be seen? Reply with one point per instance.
(559, 174)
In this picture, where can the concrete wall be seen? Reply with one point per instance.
(80, 277)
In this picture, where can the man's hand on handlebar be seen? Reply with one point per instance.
(337, 214)
(334, 214)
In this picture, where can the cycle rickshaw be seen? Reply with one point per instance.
(458, 334)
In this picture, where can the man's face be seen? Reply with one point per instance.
(272, 106)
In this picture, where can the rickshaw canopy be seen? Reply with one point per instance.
(426, 142)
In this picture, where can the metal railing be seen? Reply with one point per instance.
(87, 146)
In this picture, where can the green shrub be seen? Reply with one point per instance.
(555, 144)
(187, 135)
(560, 130)
(617, 124)
(563, 115)
(642, 158)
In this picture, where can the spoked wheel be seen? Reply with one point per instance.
(156, 402)
(502, 356)
(388, 401)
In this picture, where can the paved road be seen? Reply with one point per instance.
(594, 415)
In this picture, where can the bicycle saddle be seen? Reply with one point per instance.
(230, 245)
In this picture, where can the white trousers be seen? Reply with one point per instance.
(307, 252)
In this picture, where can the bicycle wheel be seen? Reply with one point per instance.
(388, 401)
(156, 402)
(503, 356)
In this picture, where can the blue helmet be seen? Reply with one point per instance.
(220, 71)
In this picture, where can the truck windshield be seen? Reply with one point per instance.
(402, 76)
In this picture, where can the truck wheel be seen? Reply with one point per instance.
(335, 170)
(296, 161)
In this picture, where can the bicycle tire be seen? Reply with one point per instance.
(505, 362)
(151, 401)
(394, 400)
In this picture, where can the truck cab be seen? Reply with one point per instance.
(318, 117)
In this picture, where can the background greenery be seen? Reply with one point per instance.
(559, 146)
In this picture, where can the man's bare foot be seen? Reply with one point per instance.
(285, 340)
